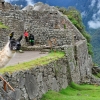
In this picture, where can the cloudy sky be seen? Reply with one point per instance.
(92, 3)
(95, 21)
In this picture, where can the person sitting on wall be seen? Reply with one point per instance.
(26, 36)
(31, 39)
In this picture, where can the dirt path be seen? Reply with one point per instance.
(26, 56)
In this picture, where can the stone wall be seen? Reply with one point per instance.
(5, 6)
(79, 62)
(33, 83)
(45, 26)
(3, 37)
(54, 29)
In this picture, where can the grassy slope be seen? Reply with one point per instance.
(75, 92)
(37, 62)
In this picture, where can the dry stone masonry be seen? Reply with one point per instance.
(49, 27)
(5, 6)
(45, 25)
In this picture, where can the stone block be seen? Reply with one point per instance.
(21, 82)
(55, 85)
(31, 85)
(15, 95)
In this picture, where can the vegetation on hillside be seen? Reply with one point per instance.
(96, 46)
(75, 92)
(75, 17)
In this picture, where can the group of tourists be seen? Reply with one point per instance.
(29, 38)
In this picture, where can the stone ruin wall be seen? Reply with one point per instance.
(13, 22)
(5, 6)
(79, 62)
(33, 83)
(3, 38)
(45, 26)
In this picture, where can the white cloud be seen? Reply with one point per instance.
(95, 21)
(30, 2)
(98, 5)
(92, 3)
(94, 24)
(83, 14)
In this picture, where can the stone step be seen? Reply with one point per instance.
(36, 48)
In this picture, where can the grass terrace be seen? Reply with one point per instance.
(37, 62)
(75, 92)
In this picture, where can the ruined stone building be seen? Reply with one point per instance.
(47, 24)
(5, 6)
(2, 4)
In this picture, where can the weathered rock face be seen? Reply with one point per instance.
(50, 28)
(33, 83)
(80, 63)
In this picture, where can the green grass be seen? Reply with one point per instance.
(3, 26)
(75, 92)
(37, 62)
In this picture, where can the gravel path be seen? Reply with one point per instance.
(26, 56)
